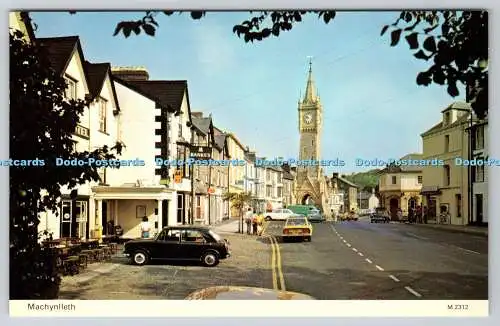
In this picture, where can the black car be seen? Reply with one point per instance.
(379, 216)
(196, 243)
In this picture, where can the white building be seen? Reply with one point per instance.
(249, 184)
(479, 174)
(172, 139)
(132, 192)
(66, 57)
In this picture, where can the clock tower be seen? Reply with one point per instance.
(311, 186)
(310, 122)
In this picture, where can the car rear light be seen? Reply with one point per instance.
(305, 231)
(285, 231)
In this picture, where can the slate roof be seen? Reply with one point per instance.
(220, 140)
(96, 76)
(461, 106)
(169, 93)
(60, 50)
(202, 124)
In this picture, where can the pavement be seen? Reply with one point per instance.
(354, 260)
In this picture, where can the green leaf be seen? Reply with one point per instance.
(430, 44)
(149, 29)
(412, 40)
(266, 32)
(421, 55)
(127, 29)
(395, 35)
(118, 28)
(423, 78)
(452, 89)
(197, 14)
(384, 29)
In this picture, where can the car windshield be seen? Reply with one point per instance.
(215, 235)
(296, 221)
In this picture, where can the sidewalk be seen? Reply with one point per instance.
(229, 226)
(476, 230)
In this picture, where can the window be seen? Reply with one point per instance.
(180, 208)
(70, 92)
(172, 235)
(479, 173)
(279, 191)
(447, 178)
(447, 118)
(180, 130)
(102, 115)
(479, 138)
(419, 179)
(447, 143)
(102, 175)
(198, 207)
(268, 175)
(192, 236)
(393, 179)
(269, 191)
(458, 200)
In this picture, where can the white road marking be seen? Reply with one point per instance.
(344, 241)
(466, 250)
(348, 245)
(416, 236)
(369, 261)
(394, 278)
(341, 238)
(354, 249)
(360, 254)
(379, 268)
(415, 293)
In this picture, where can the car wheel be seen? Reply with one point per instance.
(140, 258)
(309, 239)
(268, 218)
(210, 259)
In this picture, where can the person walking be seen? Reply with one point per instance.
(248, 219)
(260, 224)
(254, 225)
(145, 227)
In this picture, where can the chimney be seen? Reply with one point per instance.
(131, 73)
(335, 175)
(197, 114)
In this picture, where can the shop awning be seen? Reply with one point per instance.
(430, 190)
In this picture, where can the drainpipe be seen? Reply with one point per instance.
(469, 174)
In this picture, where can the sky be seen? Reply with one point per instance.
(372, 106)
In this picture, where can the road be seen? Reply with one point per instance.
(360, 260)
(348, 260)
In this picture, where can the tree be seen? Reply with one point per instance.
(42, 123)
(239, 201)
(457, 43)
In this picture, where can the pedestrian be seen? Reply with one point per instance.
(254, 225)
(145, 227)
(260, 224)
(248, 219)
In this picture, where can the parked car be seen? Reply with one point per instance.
(380, 216)
(245, 293)
(280, 214)
(312, 213)
(297, 228)
(196, 243)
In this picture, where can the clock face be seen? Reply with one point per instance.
(308, 118)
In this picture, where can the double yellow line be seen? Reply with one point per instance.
(276, 267)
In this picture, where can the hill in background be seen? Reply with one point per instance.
(367, 180)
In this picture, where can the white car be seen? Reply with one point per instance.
(280, 214)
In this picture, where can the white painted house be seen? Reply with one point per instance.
(66, 57)
(134, 191)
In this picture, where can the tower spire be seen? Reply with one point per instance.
(310, 94)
